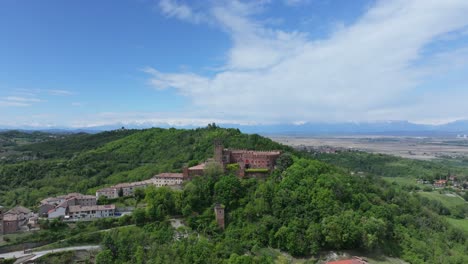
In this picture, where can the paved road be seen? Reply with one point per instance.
(38, 254)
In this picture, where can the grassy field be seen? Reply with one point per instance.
(447, 199)
(459, 223)
(13, 237)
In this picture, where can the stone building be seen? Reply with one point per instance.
(219, 214)
(55, 205)
(247, 159)
(127, 188)
(198, 170)
(77, 212)
(15, 218)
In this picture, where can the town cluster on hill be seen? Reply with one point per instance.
(76, 206)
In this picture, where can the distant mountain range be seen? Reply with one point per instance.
(395, 128)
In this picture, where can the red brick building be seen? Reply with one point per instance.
(247, 159)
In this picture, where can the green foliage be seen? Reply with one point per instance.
(160, 202)
(57, 258)
(213, 169)
(284, 161)
(392, 166)
(232, 167)
(228, 190)
(84, 163)
(257, 170)
(104, 257)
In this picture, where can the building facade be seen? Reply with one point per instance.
(77, 212)
(168, 179)
(15, 218)
(246, 159)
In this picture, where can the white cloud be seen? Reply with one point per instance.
(181, 11)
(362, 71)
(22, 99)
(60, 92)
(18, 101)
(4, 103)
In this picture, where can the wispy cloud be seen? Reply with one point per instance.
(364, 71)
(60, 92)
(22, 99)
(18, 101)
(181, 11)
(4, 103)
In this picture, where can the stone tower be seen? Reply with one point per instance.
(218, 151)
(219, 213)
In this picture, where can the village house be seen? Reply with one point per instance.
(59, 211)
(53, 207)
(127, 189)
(16, 219)
(190, 172)
(168, 179)
(78, 212)
(440, 183)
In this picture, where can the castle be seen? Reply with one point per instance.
(247, 159)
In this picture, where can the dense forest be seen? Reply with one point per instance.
(302, 209)
(307, 206)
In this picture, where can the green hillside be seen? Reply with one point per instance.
(83, 162)
(304, 208)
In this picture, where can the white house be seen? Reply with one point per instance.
(167, 179)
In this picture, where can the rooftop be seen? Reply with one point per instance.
(255, 152)
(18, 210)
(198, 167)
(79, 208)
(169, 175)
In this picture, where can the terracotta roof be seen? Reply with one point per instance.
(108, 189)
(86, 197)
(198, 167)
(131, 184)
(348, 261)
(18, 210)
(64, 204)
(255, 152)
(79, 208)
(169, 175)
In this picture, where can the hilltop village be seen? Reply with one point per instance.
(80, 207)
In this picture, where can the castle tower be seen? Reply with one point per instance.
(219, 213)
(218, 151)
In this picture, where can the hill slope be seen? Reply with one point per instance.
(84, 162)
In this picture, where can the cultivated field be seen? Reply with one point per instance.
(423, 148)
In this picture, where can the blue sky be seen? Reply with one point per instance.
(87, 63)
